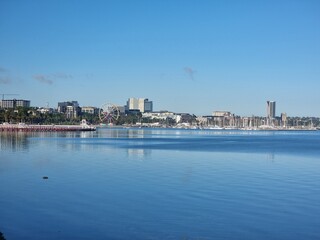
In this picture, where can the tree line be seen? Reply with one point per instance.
(32, 116)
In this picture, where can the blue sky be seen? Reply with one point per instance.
(185, 56)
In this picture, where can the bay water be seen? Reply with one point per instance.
(119, 183)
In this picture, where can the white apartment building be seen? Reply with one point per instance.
(141, 104)
(221, 114)
(162, 115)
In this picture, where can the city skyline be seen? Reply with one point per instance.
(143, 105)
(186, 57)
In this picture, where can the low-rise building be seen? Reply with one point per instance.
(122, 109)
(162, 115)
(221, 114)
(14, 103)
(45, 110)
(70, 109)
(90, 110)
(222, 119)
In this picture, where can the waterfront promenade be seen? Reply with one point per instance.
(44, 128)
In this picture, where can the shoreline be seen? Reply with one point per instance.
(21, 127)
(44, 128)
(206, 128)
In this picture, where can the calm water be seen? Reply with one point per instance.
(160, 184)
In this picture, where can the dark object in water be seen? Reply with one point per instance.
(45, 177)
(1, 236)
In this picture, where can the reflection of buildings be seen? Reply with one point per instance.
(13, 141)
(120, 133)
(131, 139)
(139, 152)
(271, 156)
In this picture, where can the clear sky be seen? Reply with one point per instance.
(185, 56)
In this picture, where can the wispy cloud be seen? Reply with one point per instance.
(4, 76)
(89, 75)
(62, 75)
(190, 72)
(5, 80)
(43, 79)
(3, 70)
(51, 78)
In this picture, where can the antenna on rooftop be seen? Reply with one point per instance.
(8, 94)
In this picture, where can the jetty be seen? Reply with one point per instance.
(22, 127)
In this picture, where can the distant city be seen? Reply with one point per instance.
(139, 112)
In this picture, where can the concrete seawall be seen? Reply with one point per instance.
(45, 128)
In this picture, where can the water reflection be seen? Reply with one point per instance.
(14, 141)
(141, 142)
(122, 133)
(271, 156)
(139, 153)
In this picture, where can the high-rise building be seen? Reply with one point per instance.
(148, 106)
(271, 109)
(284, 119)
(141, 104)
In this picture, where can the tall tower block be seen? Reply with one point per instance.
(271, 109)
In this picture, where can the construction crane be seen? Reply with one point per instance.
(8, 94)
